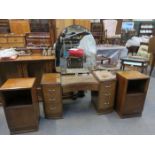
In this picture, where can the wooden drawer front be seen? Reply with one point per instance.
(108, 86)
(51, 91)
(107, 95)
(133, 104)
(15, 39)
(17, 45)
(3, 40)
(4, 45)
(52, 99)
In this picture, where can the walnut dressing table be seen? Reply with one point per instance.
(100, 83)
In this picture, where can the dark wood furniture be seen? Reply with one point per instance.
(152, 63)
(4, 26)
(20, 104)
(151, 50)
(12, 40)
(133, 49)
(39, 25)
(34, 39)
(97, 32)
(27, 66)
(52, 95)
(142, 63)
(103, 99)
(131, 92)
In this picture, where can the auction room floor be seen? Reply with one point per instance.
(80, 117)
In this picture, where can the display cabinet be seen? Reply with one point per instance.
(12, 40)
(146, 28)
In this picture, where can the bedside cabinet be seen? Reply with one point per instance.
(132, 87)
(20, 104)
(103, 99)
(52, 95)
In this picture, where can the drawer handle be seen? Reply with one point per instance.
(53, 108)
(108, 86)
(51, 90)
(107, 95)
(52, 99)
(106, 103)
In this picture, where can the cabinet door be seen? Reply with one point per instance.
(19, 26)
(133, 104)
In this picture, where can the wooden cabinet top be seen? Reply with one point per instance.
(31, 58)
(104, 75)
(51, 78)
(78, 79)
(132, 75)
(18, 83)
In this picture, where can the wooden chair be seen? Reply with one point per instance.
(116, 39)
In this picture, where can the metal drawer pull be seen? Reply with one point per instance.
(53, 108)
(52, 99)
(107, 94)
(51, 90)
(108, 86)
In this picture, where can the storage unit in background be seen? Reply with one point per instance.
(19, 26)
(12, 40)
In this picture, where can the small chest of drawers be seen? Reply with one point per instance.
(103, 99)
(52, 95)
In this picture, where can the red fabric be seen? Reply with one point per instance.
(76, 52)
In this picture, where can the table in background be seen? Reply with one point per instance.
(114, 52)
(142, 63)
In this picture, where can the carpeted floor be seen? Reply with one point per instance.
(81, 118)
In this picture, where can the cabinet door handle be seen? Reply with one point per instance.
(52, 107)
(108, 86)
(52, 99)
(51, 90)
